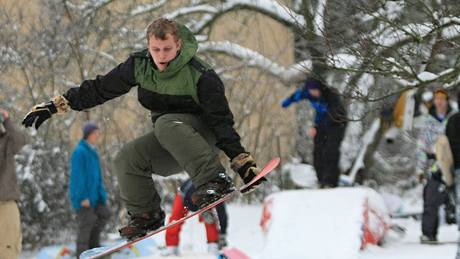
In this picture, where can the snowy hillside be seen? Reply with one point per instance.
(310, 224)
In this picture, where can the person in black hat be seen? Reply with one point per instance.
(329, 129)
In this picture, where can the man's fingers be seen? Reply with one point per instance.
(40, 120)
(36, 117)
(29, 120)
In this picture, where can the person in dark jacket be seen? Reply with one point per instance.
(87, 191)
(453, 135)
(190, 116)
(216, 236)
(329, 129)
(11, 142)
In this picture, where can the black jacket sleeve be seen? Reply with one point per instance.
(94, 92)
(217, 114)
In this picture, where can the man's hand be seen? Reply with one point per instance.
(246, 167)
(5, 114)
(420, 177)
(85, 203)
(3, 117)
(41, 112)
(312, 132)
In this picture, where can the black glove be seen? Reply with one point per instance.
(44, 111)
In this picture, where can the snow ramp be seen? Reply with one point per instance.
(322, 224)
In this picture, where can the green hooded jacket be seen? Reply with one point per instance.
(187, 85)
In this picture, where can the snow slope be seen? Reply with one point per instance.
(305, 223)
(245, 233)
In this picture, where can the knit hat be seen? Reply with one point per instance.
(312, 83)
(88, 128)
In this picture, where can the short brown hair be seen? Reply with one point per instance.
(441, 91)
(161, 27)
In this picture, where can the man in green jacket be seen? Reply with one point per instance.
(190, 116)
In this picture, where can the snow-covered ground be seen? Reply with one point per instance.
(409, 247)
(245, 233)
(304, 223)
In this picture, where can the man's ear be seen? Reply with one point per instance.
(179, 44)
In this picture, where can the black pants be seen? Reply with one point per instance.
(434, 195)
(223, 220)
(91, 222)
(326, 155)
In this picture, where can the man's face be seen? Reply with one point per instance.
(93, 138)
(440, 102)
(163, 51)
(314, 92)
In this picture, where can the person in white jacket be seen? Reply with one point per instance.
(431, 126)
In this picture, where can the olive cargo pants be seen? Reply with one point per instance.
(178, 142)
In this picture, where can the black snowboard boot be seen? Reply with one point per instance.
(213, 190)
(140, 225)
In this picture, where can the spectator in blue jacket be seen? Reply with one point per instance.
(87, 192)
(329, 129)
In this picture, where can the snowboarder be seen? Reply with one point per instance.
(87, 191)
(11, 141)
(329, 129)
(430, 126)
(453, 135)
(190, 116)
(182, 205)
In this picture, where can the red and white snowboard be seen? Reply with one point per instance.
(233, 253)
(104, 251)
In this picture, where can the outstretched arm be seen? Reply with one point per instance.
(90, 93)
(297, 96)
(97, 91)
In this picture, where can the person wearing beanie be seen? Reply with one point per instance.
(453, 135)
(87, 191)
(429, 128)
(328, 131)
(89, 128)
(11, 142)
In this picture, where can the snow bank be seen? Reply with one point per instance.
(303, 175)
(327, 224)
